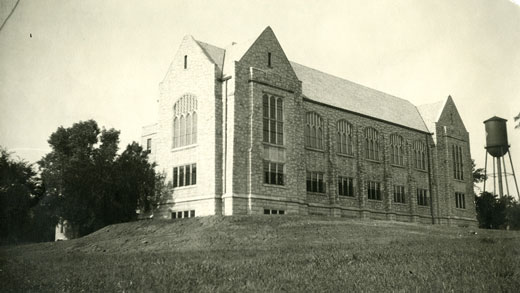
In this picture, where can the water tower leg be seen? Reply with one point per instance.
(514, 176)
(499, 171)
(485, 172)
(494, 178)
(505, 176)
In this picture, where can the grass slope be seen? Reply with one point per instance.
(268, 253)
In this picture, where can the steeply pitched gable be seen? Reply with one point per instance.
(266, 47)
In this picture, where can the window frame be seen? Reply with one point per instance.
(399, 194)
(313, 132)
(422, 197)
(273, 119)
(373, 149)
(349, 189)
(180, 178)
(184, 125)
(315, 182)
(374, 191)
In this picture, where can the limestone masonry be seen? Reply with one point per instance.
(243, 130)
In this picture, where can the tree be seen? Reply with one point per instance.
(491, 212)
(478, 173)
(18, 193)
(95, 186)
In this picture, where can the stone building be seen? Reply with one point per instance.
(243, 130)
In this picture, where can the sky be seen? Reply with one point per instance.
(67, 61)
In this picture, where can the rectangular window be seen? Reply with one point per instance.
(374, 190)
(174, 215)
(181, 176)
(193, 174)
(192, 213)
(399, 195)
(175, 176)
(188, 175)
(273, 212)
(273, 173)
(272, 123)
(185, 175)
(149, 145)
(345, 186)
(460, 200)
(269, 59)
(185, 61)
(179, 215)
(186, 214)
(315, 182)
(458, 166)
(422, 197)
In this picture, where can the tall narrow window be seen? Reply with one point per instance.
(422, 197)
(193, 174)
(185, 61)
(344, 138)
(458, 166)
(419, 155)
(269, 59)
(272, 119)
(399, 196)
(185, 121)
(313, 130)
(181, 176)
(372, 144)
(194, 128)
(149, 145)
(175, 177)
(397, 152)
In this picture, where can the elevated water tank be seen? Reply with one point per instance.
(496, 136)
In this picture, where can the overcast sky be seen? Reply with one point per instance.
(66, 61)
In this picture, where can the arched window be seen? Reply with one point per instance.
(344, 138)
(372, 145)
(396, 149)
(272, 119)
(313, 130)
(185, 121)
(419, 155)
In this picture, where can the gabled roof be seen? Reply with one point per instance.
(214, 53)
(431, 113)
(328, 89)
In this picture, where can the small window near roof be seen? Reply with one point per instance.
(269, 59)
(185, 61)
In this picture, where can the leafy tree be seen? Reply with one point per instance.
(93, 185)
(18, 188)
(491, 212)
(478, 173)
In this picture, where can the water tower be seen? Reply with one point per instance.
(497, 146)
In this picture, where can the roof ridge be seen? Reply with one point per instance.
(358, 84)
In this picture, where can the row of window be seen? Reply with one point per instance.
(273, 124)
(273, 212)
(185, 121)
(183, 214)
(185, 175)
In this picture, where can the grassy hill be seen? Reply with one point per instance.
(268, 253)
